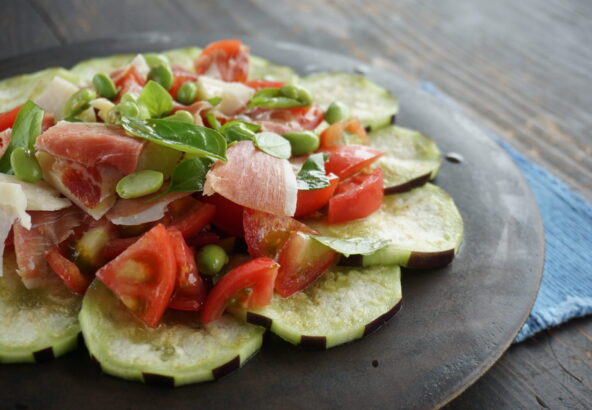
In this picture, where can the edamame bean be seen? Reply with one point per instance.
(154, 60)
(211, 259)
(182, 116)
(124, 109)
(139, 184)
(297, 93)
(303, 142)
(104, 86)
(163, 75)
(187, 93)
(25, 165)
(79, 101)
(336, 112)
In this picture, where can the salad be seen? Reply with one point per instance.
(174, 206)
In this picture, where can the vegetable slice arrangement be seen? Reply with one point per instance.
(174, 206)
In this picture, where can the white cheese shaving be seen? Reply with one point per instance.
(141, 66)
(40, 196)
(13, 205)
(103, 106)
(55, 96)
(234, 95)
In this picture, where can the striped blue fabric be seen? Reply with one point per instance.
(566, 289)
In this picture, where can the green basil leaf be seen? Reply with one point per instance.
(26, 129)
(189, 175)
(273, 144)
(352, 246)
(312, 174)
(179, 136)
(156, 99)
(214, 101)
(248, 125)
(237, 131)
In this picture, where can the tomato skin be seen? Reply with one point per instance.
(67, 271)
(266, 234)
(190, 290)
(345, 161)
(228, 216)
(181, 76)
(310, 201)
(356, 197)
(189, 215)
(7, 118)
(261, 84)
(143, 277)
(227, 60)
(255, 278)
(332, 136)
(302, 261)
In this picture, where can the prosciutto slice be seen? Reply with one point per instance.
(91, 144)
(48, 228)
(254, 179)
(139, 211)
(91, 188)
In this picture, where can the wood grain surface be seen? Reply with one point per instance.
(522, 68)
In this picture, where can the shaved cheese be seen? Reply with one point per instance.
(139, 211)
(234, 95)
(6, 220)
(88, 115)
(141, 66)
(14, 201)
(40, 196)
(55, 96)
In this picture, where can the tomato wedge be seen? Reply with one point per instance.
(356, 197)
(67, 271)
(228, 216)
(189, 215)
(227, 60)
(190, 290)
(265, 233)
(7, 118)
(143, 276)
(181, 76)
(346, 160)
(248, 285)
(302, 261)
(342, 131)
(310, 201)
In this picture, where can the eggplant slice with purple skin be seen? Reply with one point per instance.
(424, 228)
(179, 351)
(343, 305)
(38, 324)
(410, 158)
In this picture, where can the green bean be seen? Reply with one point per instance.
(25, 165)
(163, 75)
(104, 86)
(79, 101)
(336, 112)
(139, 183)
(297, 92)
(181, 116)
(154, 60)
(303, 142)
(211, 259)
(187, 93)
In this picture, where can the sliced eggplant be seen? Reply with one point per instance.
(36, 324)
(261, 69)
(183, 57)
(371, 104)
(343, 305)
(410, 158)
(424, 227)
(179, 351)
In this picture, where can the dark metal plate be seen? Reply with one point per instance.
(455, 323)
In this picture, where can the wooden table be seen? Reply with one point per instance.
(522, 68)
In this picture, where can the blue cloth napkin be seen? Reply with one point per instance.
(566, 289)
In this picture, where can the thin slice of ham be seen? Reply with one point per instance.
(254, 179)
(139, 211)
(4, 140)
(48, 228)
(91, 188)
(91, 144)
